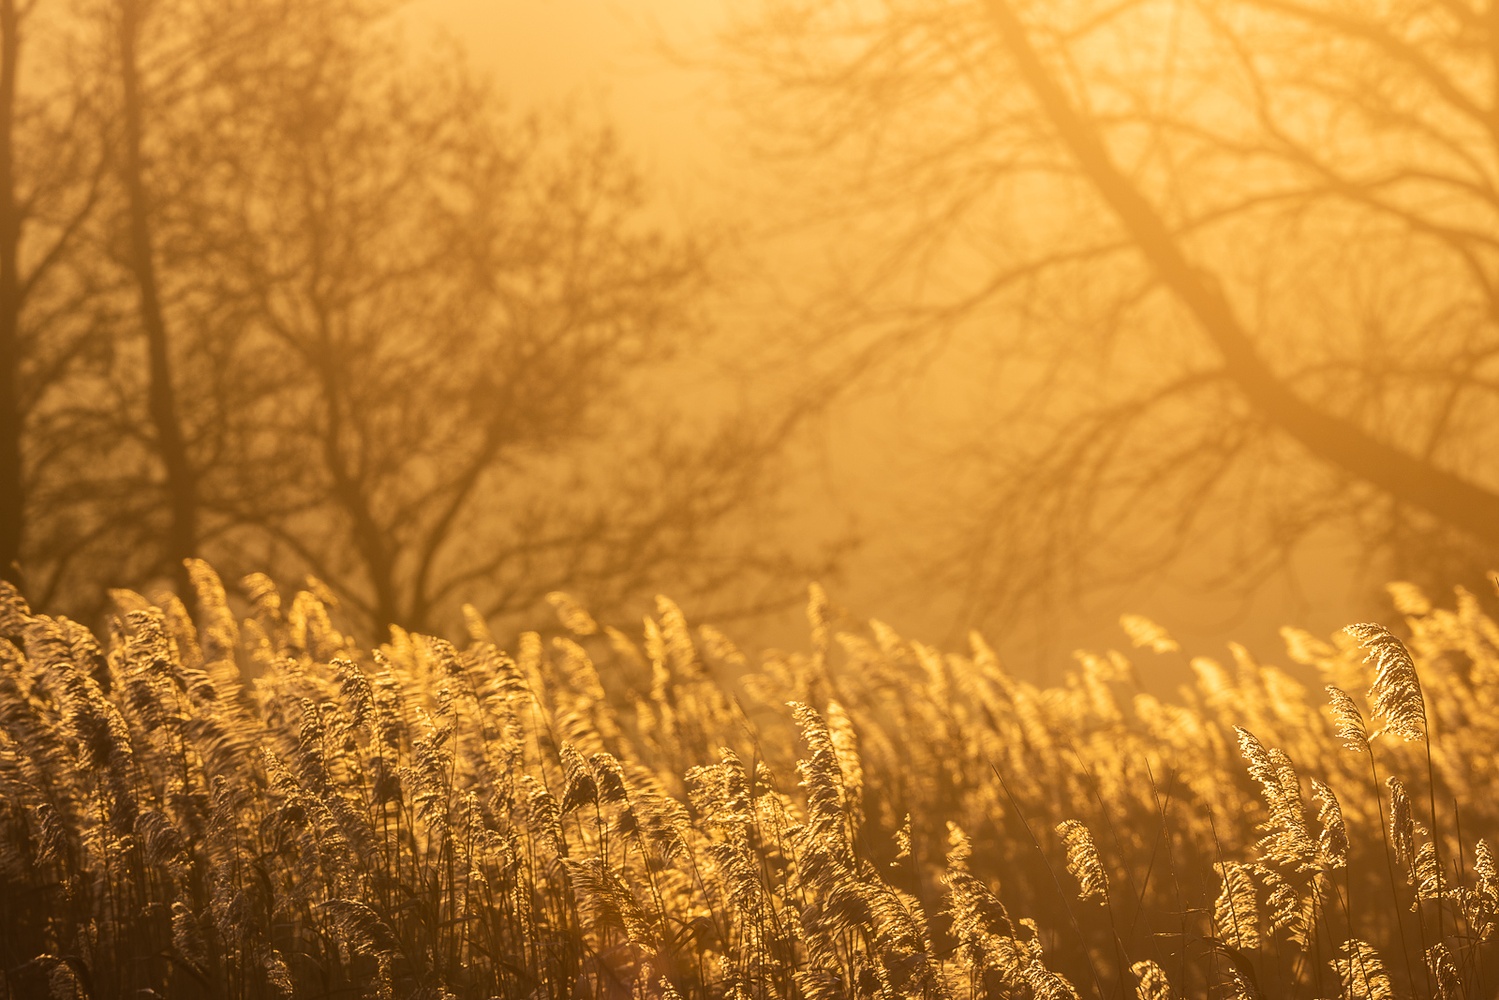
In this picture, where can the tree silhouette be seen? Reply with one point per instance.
(450, 296)
(358, 319)
(162, 406)
(1236, 261)
(145, 429)
(51, 170)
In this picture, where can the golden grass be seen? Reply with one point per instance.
(255, 806)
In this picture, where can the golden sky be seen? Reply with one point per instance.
(609, 57)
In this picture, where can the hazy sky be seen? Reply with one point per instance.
(609, 57)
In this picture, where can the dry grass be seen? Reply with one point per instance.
(257, 807)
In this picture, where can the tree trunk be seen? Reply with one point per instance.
(1340, 443)
(181, 482)
(374, 546)
(12, 497)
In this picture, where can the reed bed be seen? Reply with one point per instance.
(252, 805)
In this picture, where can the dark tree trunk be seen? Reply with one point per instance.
(12, 496)
(181, 542)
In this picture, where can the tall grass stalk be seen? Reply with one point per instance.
(252, 805)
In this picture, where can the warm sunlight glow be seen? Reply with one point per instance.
(370, 370)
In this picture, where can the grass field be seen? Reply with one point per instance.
(256, 806)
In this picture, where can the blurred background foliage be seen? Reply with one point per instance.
(278, 287)
(1184, 306)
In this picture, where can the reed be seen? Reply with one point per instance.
(247, 803)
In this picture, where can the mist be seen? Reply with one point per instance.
(780, 500)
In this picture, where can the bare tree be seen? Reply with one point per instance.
(174, 76)
(276, 294)
(459, 301)
(360, 320)
(1237, 261)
